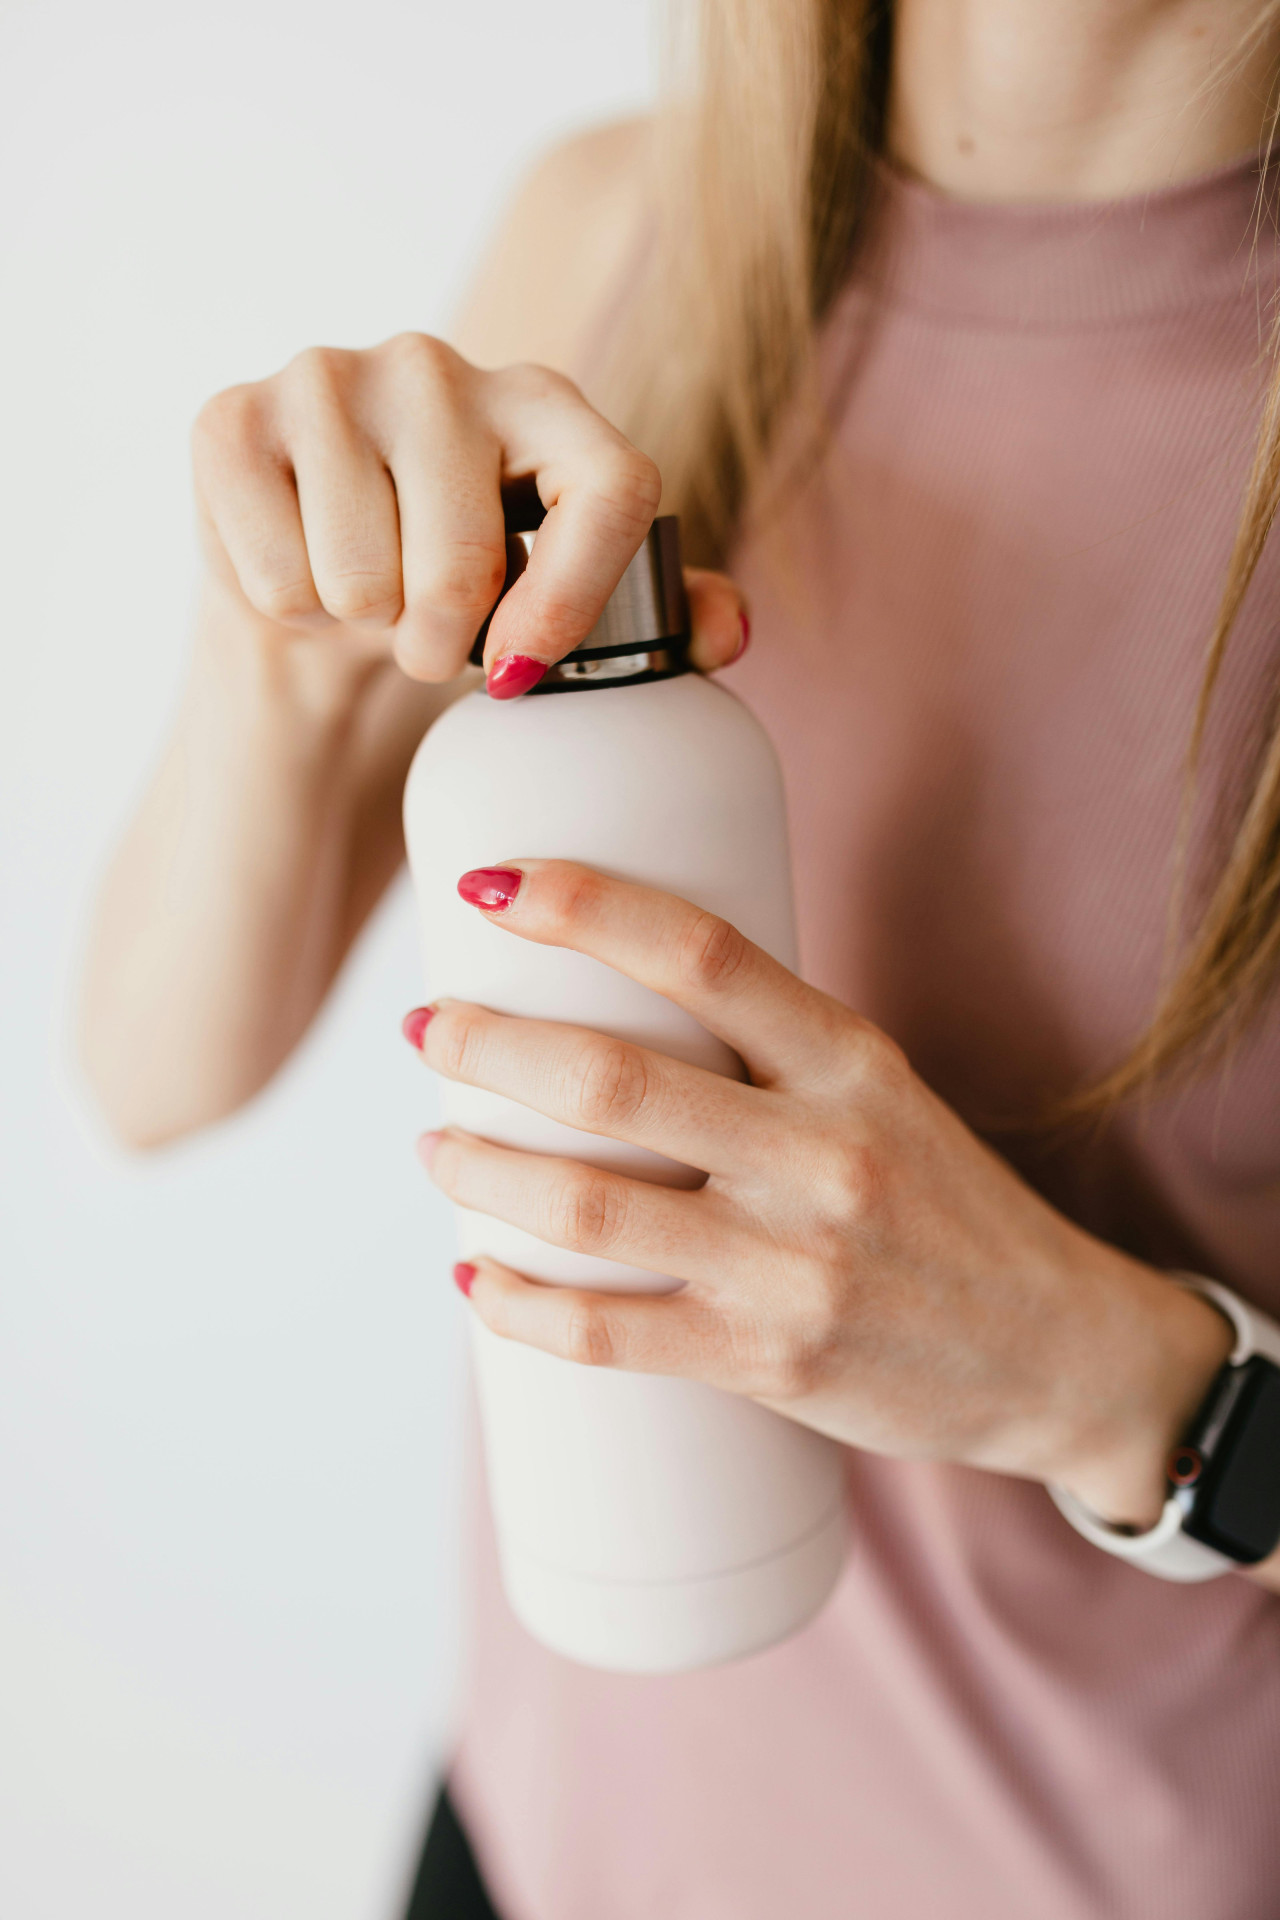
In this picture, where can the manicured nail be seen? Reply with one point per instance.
(744, 623)
(513, 674)
(493, 888)
(414, 1025)
(464, 1276)
(427, 1144)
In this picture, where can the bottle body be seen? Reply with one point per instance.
(644, 1524)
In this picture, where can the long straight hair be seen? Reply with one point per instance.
(766, 159)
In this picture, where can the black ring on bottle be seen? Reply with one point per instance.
(677, 647)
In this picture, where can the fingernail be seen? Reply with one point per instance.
(414, 1025)
(513, 674)
(427, 1144)
(464, 1276)
(744, 622)
(493, 888)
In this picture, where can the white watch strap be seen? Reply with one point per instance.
(1165, 1549)
(1255, 1333)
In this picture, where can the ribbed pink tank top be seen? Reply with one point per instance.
(978, 634)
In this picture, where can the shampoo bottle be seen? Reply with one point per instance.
(644, 1524)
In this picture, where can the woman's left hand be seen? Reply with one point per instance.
(857, 1258)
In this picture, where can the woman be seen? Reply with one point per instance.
(944, 336)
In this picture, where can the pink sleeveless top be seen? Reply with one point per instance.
(978, 635)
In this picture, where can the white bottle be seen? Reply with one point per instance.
(644, 1524)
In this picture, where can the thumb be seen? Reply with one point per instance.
(717, 618)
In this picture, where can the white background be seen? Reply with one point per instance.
(229, 1374)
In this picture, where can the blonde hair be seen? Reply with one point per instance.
(766, 165)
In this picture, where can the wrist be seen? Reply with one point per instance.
(1154, 1377)
(307, 689)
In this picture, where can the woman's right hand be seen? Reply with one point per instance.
(358, 496)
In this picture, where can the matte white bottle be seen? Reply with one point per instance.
(644, 1524)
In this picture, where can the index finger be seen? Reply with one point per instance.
(600, 495)
(782, 1029)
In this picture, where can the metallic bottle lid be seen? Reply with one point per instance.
(643, 632)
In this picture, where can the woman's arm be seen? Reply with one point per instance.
(343, 588)
(266, 836)
(857, 1257)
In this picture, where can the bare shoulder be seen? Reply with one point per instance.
(564, 239)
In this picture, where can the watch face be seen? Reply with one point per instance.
(1237, 1505)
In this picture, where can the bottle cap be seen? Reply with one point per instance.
(643, 632)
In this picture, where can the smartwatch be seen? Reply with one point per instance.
(1222, 1503)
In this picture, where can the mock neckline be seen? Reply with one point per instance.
(1064, 264)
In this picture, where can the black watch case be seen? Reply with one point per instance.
(1226, 1474)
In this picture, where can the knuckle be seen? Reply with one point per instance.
(559, 620)
(631, 486)
(446, 1166)
(613, 1086)
(778, 1377)
(320, 372)
(588, 1338)
(426, 661)
(357, 594)
(585, 1212)
(625, 482)
(711, 952)
(227, 421)
(803, 1367)
(282, 595)
(872, 1059)
(849, 1181)
(571, 896)
(797, 1361)
(529, 380)
(497, 1313)
(455, 1042)
(467, 578)
(424, 358)
(774, 1370)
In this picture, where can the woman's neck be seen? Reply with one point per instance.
(1076, 99)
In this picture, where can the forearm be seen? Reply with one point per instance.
(266, 835)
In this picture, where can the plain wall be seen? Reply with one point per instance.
(230, 1374)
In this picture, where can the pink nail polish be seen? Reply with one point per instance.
(512, 675)
(414, 1025)
(427, 1144)
(744, 623)
(493, 888)
(464, 1276)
